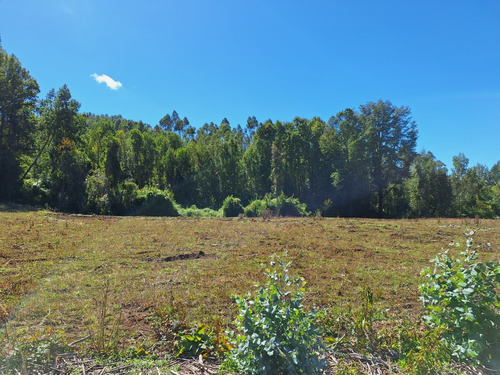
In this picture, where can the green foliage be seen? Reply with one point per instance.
(430, 192)
(18, 94)
(473, 194)
(203, 340)
(255, 208)
(462, 295)
(36, 353)
(154, 202)
(194, 211)
(198, 341)
(34, 192)
(360, 160)
(423, 352)
(168, 323)
(278, 206)
(290, 206)
(352, 326)
(232, 207)
(277, 335)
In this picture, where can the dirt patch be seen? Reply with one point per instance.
(66, 217)
(200, 254)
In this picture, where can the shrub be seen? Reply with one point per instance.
(281, 205)
(34, 192)
(290, 206)
(154, 202)
(255, 208)
(277, 335)
(128, 194)
(232, 207)
(462, 296)
(194, 211)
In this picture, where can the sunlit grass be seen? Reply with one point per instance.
(53, 267)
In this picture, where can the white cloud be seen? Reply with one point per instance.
(110, 82)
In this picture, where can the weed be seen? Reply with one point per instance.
(352, 325)
(203, 340)
(35, 353)
(104, 328)
(424, 352)
(168, 323)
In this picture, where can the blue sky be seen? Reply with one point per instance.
(210, 59)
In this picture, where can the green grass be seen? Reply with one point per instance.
(55, 267)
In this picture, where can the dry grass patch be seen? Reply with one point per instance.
(54, 267)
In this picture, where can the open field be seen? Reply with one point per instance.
(55, 268)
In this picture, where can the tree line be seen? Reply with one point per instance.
(359, 163)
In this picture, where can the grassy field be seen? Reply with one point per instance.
(56, 269)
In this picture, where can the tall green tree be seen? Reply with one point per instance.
(344, 146)
(429, 187)
(460, 166)
(68, 165)
(18, 101)
(99, 135)
(472, 191)
(391, 137)
(257, 160)
(494, 174)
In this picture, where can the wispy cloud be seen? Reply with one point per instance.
(110, 82)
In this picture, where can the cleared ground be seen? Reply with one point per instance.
(56, 268)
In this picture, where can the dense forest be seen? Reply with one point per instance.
(359, 163)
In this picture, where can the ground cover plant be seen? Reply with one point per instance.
(165, 277)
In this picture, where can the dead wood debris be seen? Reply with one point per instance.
(74, 364)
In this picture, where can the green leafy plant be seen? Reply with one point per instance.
(155, 202)
(462, 296)
(203, 340)
(37, 352)
(290, 206)
(423, 351)
(232, 207)
(280, 205)
(194, 211)
(198, 341)
(277, 335)
(168, 323)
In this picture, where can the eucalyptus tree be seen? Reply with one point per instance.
(391, 137)
(345, 148)
(473, 194)
(429, 187)
(257, 159)
(65, 165)
(18, 101)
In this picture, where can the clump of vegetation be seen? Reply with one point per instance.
(462, 296)
(232, 207)
(257, 206)
(277, 335)
(35, 353)
(423, 352)
(104, 324)
(154, 202)
(203, 340)
(278, 206)
(194, 211)
(290, 206)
